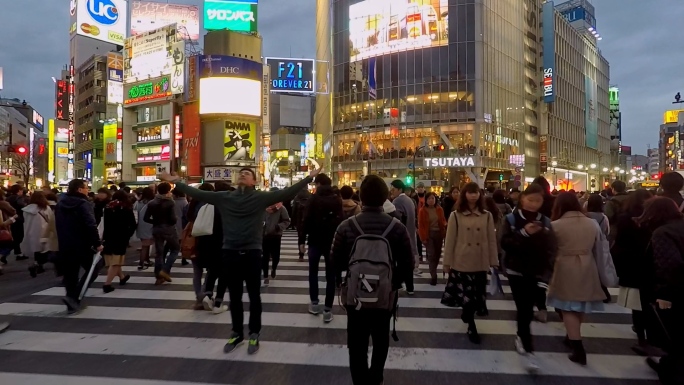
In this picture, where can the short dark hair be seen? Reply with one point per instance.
(122, 184)
(147, 194)
(323, 180)
(222, 186)
(499, 196)
(177, 193)
(123, 198)
(672, 182)
(250, 170)
(163, 188)
(75, 185)
(373, 191)
(619, 186)
(346, 192)
(595, 204)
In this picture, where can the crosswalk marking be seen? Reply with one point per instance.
(142, 323)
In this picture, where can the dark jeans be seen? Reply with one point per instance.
(419, 245)
(362, 324)
(71, 268)
(165, 237)
(331, 278)
(270, 251)
(17, 229)
(244, 266)
(524, 290)
(540, 299)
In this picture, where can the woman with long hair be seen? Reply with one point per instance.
(629, 253)
(144, 229)
(432, 229)
(450, 202)
(119, 226)
(469, 252)
(36, 221)
(662, 291)
(575, 288)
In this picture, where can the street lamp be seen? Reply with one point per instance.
(617, 168)
(290, 160)
(555, 176)
(605, 169)
(580, 166)
(592, 166)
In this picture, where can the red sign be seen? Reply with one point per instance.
(62, 100)
(155, 156)
(191, 156)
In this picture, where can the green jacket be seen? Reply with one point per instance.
(242, 211)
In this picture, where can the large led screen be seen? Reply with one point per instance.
(378, 27)
(230, 96)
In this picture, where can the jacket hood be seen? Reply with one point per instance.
(162, 197)
(348, 203)
(71, 201)
(31, 209)
(388, 207)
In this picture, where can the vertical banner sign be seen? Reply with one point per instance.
(372, 88)
(191, 139)
(543, 153)
(109, 134)
(51, 150)
(62, 100)
(265, 102)
(70, 140)
(192, 79)
(549, 51)
(119, 147)
(590, 112)
(178, 69)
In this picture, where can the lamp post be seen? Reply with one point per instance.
(290, 160)
(554, 164)
(413, 165)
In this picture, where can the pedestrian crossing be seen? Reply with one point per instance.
(149, 335)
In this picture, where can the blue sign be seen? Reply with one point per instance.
(579, 13)
(291, 75)
(549, 52)
(228, 67)
(115, 75)
(103, 11)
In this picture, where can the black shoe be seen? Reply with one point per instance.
(473, 335)
(234, 341)
(40, 269)
(107, 288)
(184, 262)
(125, 279)
(3, 259)
(253, 346)
(433, 282)
(578, 355)
(22, 257)
(33, 271)
(651, 362)
(72, 305)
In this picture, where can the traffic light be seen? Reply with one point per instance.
(500, 177)
(409, 178)
(21, 150)
(439, 147)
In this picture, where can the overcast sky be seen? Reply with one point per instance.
(645, 58)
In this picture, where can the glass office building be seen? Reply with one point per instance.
(439, 89)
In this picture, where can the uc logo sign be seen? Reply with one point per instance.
(103, 11)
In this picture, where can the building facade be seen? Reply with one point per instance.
(653, 161)
(426, 97)
(670, 146)
(21, 126)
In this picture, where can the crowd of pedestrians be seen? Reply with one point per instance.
(558, 249)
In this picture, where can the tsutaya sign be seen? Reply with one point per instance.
(450, 162)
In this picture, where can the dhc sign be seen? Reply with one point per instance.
(450, 162)
(549, 51)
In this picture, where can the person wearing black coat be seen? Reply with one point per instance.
(299, 205)
(119, 226)
(78, 240)
(18, 200)
(323, 214)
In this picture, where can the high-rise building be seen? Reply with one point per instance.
(615, 122)
(21, 126)
(653, 161)
(575, 121)
(670, 146)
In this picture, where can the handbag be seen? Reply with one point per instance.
(188, 242)
(204, 223)
(604, 261)
(5, 233)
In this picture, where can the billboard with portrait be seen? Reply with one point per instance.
(378, 27)
(103, 20)
(239, 141)
(150, 15)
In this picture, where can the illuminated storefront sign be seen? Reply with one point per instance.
(72, 107)
(61, 100)
(148, 91)
(450, 162)
(149, 134)
(154, 153)
(237, 15)
(109, 137)
(291, 75)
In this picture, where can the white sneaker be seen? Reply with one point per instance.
(417, 272)
(314, 308)
(519, 346)
(208, 303)
(531, 363)
(220, 309)
(327, 316)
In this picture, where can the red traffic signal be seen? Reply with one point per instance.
(439, 147)
(21, 150)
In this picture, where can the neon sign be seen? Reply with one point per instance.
(149, 91)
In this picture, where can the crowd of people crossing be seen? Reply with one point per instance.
(557, 249)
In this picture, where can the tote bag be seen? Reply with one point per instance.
(204, 224)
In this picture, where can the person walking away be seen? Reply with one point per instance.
(119, 226)
(450, 202)
(78, 241)
(470, 250)
(7, 212)
(546, 210)
(406, 209)
(671, 184)
(299, 205)
(530, 249)
(218, 274)
(18, 200)
(204, 255)
(666, 252)
(594, 208)
(276, 220)
(614, 206)
(144, 229)
(419, 199)
(181, 204)
(349, 206)
(36, 220)
(161, 213)
(629, 255)
(432, 230)
(242, 218)
(323, 215)
(575, 287)
(499, 198)
(367, 321)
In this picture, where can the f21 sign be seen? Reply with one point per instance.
(291, 75)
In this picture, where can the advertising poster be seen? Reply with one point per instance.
(229, 66)
(154, 153)
(149, 15)
(291, 75)
(103, 20)
(590, 112)
(239, 141)
(109, 138)
(178, 69)
(379, 27)
(235, 15)
(191, 139)
(149, 54)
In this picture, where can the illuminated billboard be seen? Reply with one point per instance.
(61, 100)
(239, 141)
(149, 54)
(378, 27)
(228, 66)
(549, 48)
(115, 88)
(109, 138)
(291, 75)
(147, 91)
(234, 15)
(103, 20)
(154, 153)
(230, 96)
(150, 134)
(150, 15)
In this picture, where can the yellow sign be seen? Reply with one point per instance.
(650, 184)
(239, 143)
(671, 116)
(62, 151)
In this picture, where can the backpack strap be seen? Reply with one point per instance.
(356, 223)
(387, 230)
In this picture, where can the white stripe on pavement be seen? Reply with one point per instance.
(53, 379)
(438, 360)
(305, 320)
